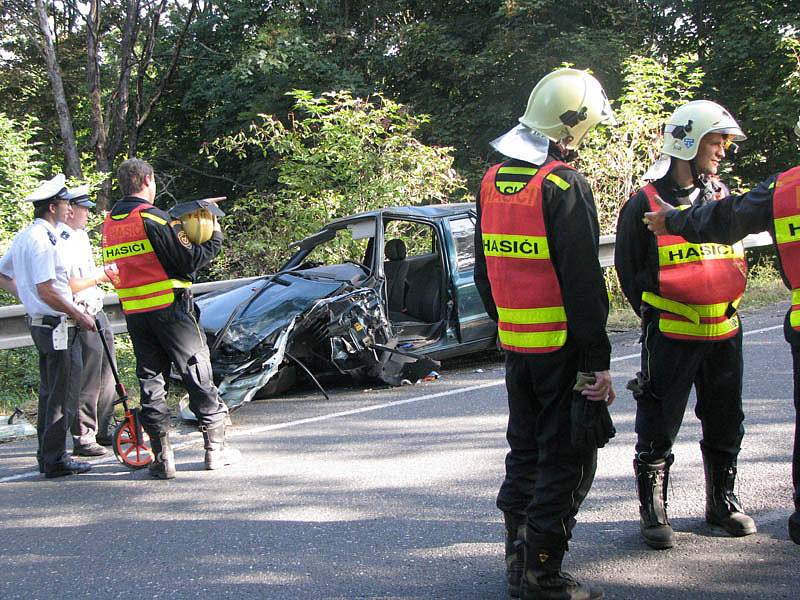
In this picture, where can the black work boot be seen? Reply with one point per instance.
(515, 551)
(723, 508)
(651, 483)
(543, 578)
(218, 453)
(163, 465)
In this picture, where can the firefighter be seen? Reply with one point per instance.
(771, 206)
(34, 270)
(539, 277)
(151, 262)
(686, 295)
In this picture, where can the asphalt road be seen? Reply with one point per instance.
(389, 493)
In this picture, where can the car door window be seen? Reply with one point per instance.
(463, 230)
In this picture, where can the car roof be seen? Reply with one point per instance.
(430, 211)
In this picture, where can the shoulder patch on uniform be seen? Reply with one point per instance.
(64, 235)
(184, 239)
(51, 237)
(153, 217)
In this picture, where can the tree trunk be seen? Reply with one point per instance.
(99, 128)
(72, 163)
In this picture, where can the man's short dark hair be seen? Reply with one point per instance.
(131, 174)
(42, 207)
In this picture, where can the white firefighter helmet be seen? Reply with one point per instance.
(197, 218)
(198, 225)
(690, 122)
(565, 105)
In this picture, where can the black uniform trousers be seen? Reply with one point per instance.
(170, 336)
(670, 368)
(59, 385)
(547, 478)
(96, 401)
(796, 455)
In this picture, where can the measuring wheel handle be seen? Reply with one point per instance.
(130, 442)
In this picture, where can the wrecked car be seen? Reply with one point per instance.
(377, 296)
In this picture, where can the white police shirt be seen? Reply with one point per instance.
(76, 250)
(33, 258)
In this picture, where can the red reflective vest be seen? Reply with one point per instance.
(699, 286)
(132, 265)
(524, 284)
(786, 218)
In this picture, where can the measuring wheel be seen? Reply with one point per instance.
(130, 443)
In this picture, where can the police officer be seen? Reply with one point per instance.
(538, 275)
(34, 270)
(151, 262)
(92, 422)
(686, 295)
(772, 207)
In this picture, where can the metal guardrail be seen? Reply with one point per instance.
(14, 331)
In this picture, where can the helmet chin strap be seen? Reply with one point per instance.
(698, 183)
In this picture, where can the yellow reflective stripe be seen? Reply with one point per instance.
(164, 299)
(533, 339)
(133, 248)
(119, 217)
(702, 330)
(794, 319)
(671, 306)
(158, 220)
(771, 185)
(558, 181)
(530, 316)
(515, 246)
(151, 288)
(693, 312)
(517, 171)
(787, 229)
(796, 296)
(677, 254)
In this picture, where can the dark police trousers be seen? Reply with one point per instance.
(59, 385)
(172, 336)
(547, 478)
(671, 367)
(96, 401)
(796, 455)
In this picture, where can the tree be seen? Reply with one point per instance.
(338, 155)
(19, 174)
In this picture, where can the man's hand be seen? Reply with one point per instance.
(601, 390)
(85, 322)
(657, 221)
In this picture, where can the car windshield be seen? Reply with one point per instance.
(350, 246)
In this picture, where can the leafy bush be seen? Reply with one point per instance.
(338, 155)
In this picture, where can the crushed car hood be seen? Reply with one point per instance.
(264, 307)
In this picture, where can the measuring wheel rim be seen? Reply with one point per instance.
(130, 451)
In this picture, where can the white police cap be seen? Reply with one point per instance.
(79, 196)
(51, 188)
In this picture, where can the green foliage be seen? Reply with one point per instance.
(614, 158)
(20, 171)
(338, 155)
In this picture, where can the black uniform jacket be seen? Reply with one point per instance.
(635, 249)
(181, 260)
(729, 220)
(573, 237)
